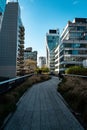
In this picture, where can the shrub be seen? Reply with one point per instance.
(74, 90)
(45, 69)
(78, 70)
(38, 71)
(42, 70)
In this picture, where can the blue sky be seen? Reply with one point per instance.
(39, 16)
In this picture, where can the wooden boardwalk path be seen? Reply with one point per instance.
(41, 108)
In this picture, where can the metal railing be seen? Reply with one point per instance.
(9, 84)
(73, 75)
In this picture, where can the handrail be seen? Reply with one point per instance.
(10, 80)
(82, 76)
(8, 84)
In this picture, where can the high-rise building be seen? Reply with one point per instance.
(30, 59)
(42, 61)
(10, 39)
(29, 54)
(52, 40)
(73, 47)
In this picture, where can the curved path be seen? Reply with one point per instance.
(42, 108)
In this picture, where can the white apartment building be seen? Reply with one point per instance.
(73, 46)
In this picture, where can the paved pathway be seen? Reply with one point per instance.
(41, 108)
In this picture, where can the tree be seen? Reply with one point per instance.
(30, 65)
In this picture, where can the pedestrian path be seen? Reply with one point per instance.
(41, 108)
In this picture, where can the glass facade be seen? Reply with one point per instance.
(30, 55)
(2, 5)
(2, 8)
(52, 40)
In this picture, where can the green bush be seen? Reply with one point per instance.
(45, 69)
(42, 70)
(74, 91)
(78, 70)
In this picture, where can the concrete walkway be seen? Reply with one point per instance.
(41, 108)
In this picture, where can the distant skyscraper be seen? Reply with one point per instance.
(52, 40)
(29, 54)
(11, 40)
(42, 61)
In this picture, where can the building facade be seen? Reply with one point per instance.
(42, 61)
(10, 40)
(73, 46)
(29, 54)
(20, 56)
(56, 52)
(30, 59)
(52, 40)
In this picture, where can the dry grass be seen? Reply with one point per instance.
(74, 91)
(8, 100)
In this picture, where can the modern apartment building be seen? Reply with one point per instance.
(42, 61)
(29, 54)
(52, 40)
(73, 47)
(10, 39)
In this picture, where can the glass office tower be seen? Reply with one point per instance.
(52, 40)
(2, 5)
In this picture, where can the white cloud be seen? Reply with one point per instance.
(75, 2)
